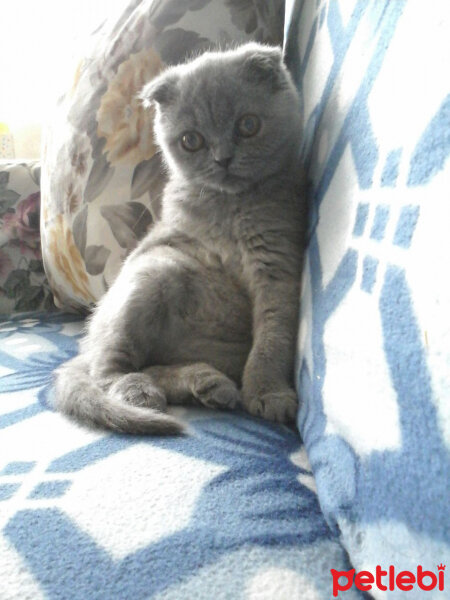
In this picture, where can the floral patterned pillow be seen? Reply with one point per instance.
(102, 177)
(23, 285)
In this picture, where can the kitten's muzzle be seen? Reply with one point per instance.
(223, 162)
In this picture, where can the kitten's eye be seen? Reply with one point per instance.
(248, 125)
(192, 141)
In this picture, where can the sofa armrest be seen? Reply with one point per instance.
(23, 284)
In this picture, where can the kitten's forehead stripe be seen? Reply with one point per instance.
(210, 102)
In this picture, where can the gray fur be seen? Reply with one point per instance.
(205, 309)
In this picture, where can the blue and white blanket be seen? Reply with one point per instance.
(228, 512)
(374, 347)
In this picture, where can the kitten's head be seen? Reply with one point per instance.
(227, 120)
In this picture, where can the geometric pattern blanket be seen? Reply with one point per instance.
(228, 511)
(374, 368)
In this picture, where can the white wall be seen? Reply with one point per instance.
(40, 43)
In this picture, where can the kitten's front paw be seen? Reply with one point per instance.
(139, 390)
(279, 406)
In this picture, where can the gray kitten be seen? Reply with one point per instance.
(205, 309)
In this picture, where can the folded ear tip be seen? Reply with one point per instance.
(145, 96)
(145, 102)
(160, 90)
(264, 63)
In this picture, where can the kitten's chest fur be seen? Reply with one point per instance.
(216, 230)
(231, 228)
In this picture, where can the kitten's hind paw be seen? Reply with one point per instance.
(215, 390)
(139, 390)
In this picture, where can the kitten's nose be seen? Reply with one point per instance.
(223, 161)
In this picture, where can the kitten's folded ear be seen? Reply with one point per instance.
(161, 90)
(264, 64)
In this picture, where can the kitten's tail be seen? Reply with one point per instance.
(76, 395)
